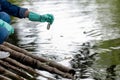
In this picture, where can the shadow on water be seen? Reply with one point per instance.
(83, 61)
(85, 36)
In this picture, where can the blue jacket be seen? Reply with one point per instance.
(11, 9)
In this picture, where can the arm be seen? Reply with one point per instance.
(12, 9)
(23, 12)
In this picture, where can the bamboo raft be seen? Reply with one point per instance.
(22, 65)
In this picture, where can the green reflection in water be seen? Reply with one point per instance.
(109, 52)
(107, 65)
(109, 12)
(109, 58)
(110, 43)
(109, 17)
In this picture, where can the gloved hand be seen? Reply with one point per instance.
(7, 26)
(41, 18)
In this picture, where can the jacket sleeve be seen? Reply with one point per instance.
(12, 9)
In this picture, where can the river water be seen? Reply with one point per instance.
(76, 22)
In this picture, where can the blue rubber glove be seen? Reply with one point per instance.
(7, 26)
(41, 18)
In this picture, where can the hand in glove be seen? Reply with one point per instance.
(41, 18)
(9, 28)
(5, 30)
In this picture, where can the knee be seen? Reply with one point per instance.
(4, 16)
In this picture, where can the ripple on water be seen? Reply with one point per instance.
(76, 22)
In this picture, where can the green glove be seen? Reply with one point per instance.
(7, 26)
(41, 18)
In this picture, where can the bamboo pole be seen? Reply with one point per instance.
(26, 68)
(33, 62)
(4, 78)
(19, 65)
(48, 62)
(14, 69)
(9, 74)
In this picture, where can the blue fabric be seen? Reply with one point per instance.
(5, 17)
(3, 34)
(6, 9)
(11, 9)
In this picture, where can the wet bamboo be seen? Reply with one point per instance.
(4, 78)
(48, 62)
(9, 74)
(14, 69)
(19, 65)
(33, 62)
(26, 68)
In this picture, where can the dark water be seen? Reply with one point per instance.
(76, 22)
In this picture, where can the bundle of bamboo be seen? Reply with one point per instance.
(21, 65)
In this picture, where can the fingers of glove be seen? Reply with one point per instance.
(50, 18)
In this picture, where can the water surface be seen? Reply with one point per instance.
(76, 22)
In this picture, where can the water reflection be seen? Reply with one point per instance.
(108, 13)
(71, 20)
(76, 22)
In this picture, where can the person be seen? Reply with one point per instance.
(8, 9)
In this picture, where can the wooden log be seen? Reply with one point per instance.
(48, 62)
(26, 68)
(4, 78)
(9, 74)
(14, 69)
(33, 62)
